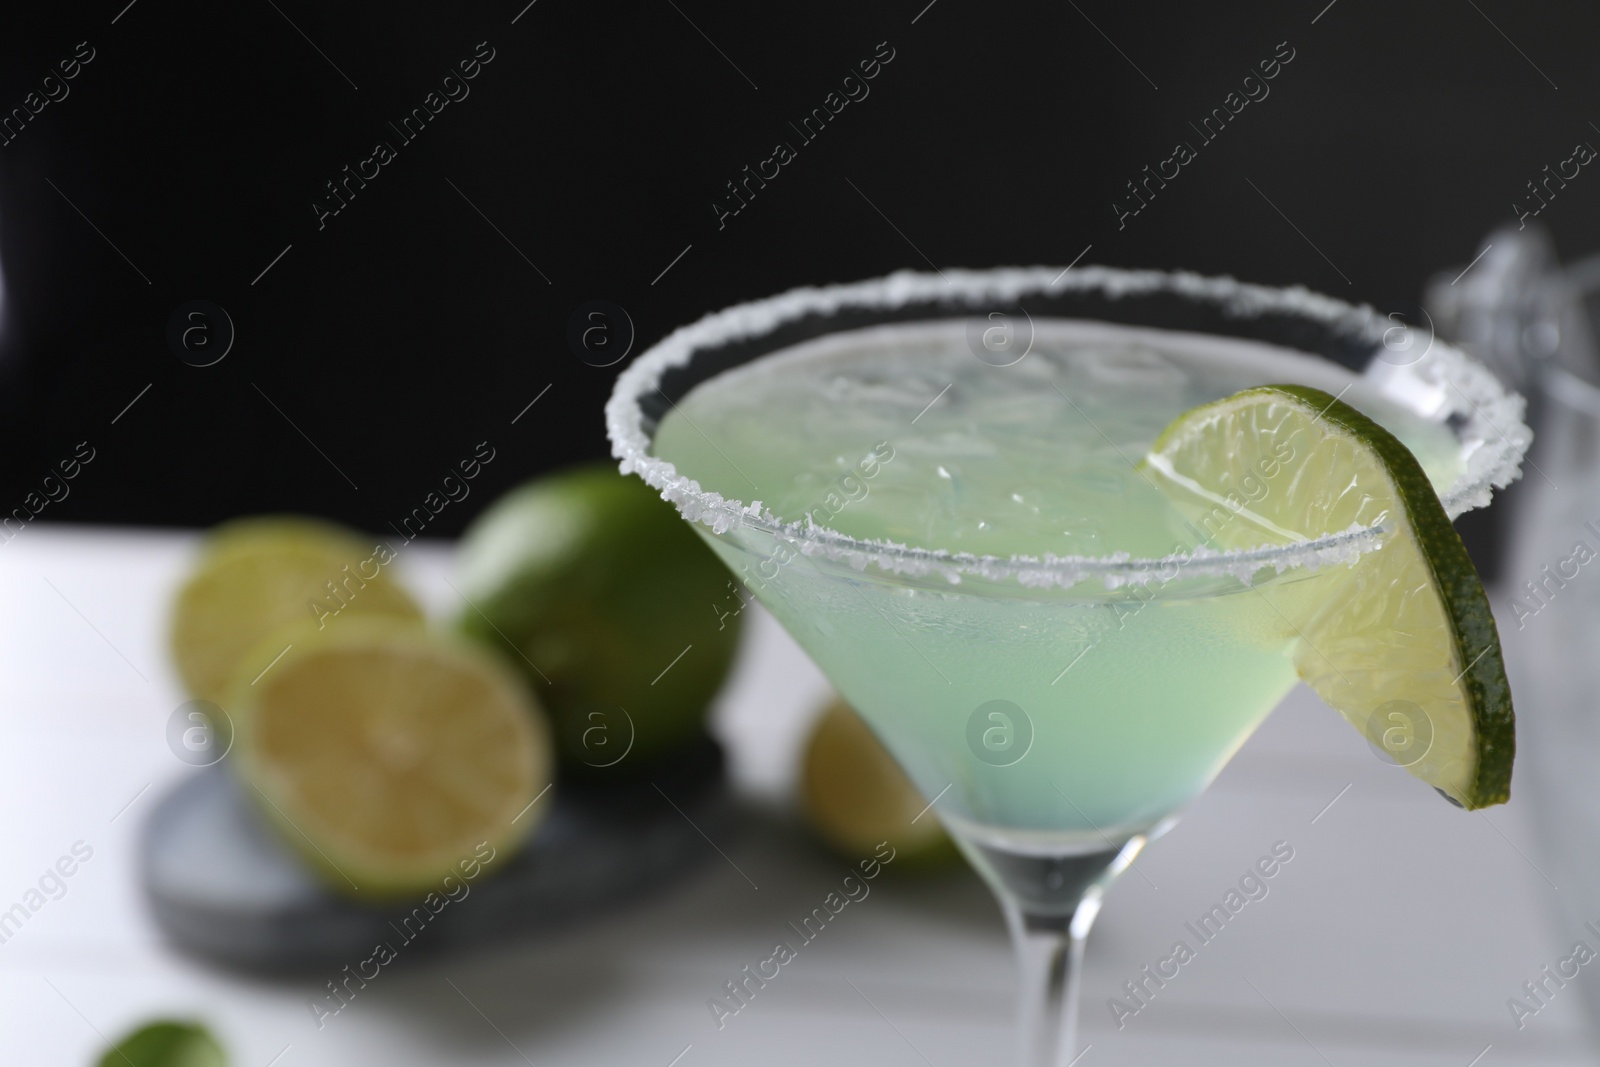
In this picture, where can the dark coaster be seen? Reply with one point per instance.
(222, 886)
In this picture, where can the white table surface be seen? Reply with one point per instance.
(1394, 937)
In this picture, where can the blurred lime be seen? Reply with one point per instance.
(166, 1044)
(255, 575)
(855, 795)
(593, 586)
(388, 756)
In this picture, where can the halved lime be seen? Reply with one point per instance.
(256, 575)
(1401, 642)
(855, 795)
(392, 758)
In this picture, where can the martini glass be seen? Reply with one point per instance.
(932, 482)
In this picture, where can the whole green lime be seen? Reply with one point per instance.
(166, 1043)
(623, 620)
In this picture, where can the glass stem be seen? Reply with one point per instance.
(1050, 901)
(1050, 952)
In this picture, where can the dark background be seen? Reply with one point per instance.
(415, 323)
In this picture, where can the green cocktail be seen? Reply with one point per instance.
(943, 488)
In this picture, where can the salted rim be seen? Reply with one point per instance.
(1491, 432)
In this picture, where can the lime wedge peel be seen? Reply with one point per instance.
(1399, 639)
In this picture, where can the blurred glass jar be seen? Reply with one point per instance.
(1534, 323)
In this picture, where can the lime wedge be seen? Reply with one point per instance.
(256, 575)
(391, 758)
(1401, 641)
